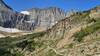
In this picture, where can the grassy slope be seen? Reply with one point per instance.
(88, 30)
(21, 42)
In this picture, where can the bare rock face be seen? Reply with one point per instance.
(33, 19)
(45, 18)
(12, 19)
(3, 6)
(30, 20)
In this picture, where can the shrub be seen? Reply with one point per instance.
(70, 45)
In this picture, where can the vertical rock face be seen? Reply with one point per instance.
(38, 19)
(5, 14)
(46, 18)
(4, 6)
(10, 18)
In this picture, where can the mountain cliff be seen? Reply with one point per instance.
(3, 5)
(34, 19)
(10, 18)
(40, 19)
(46, 18)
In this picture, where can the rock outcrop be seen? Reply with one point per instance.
(46, 18)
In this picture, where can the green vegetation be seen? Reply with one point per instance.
(5, 52)
(20, 42)
(29, 42)
(70, 45)
(88, 30)
(18, 54)
(80, 17)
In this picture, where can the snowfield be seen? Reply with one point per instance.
(9, 30)
(1, 35)
(12, 32)
(25, 12)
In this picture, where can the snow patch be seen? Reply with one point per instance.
(32, 21)
(1, 35)
(25, 12)
(9, 30)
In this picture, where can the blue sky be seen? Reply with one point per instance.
(20, 5)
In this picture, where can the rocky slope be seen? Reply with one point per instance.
(77, 35)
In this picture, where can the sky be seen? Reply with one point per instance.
(20, 5)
